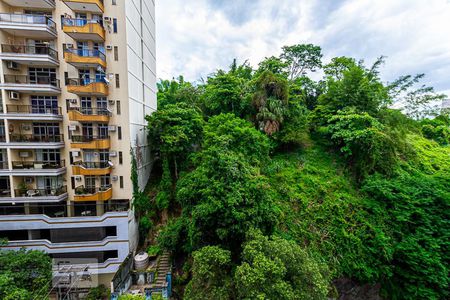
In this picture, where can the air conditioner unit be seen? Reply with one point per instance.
(111, 102)
(75, 154)
(107, 19)
(73, 127)
(14, 95)
(109, 47)
(112, 128)
(12, 65)
(78, 178)
(114, 178)
(113, 153)
(73, 101)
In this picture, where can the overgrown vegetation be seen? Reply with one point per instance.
(276, 184)
(24, 274)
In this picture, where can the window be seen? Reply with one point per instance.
(44, 105)
(121, 182)
(116, 53)
(120, 158)
(119, 132)
(72, 182)
(115, 25)
(114, 2)
(117, 81)
(43, 76)
(102, 131)
(119, 111)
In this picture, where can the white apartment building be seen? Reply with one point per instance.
(77, 79)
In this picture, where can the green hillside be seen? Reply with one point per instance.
(268, 184)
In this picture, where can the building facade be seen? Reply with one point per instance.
(77, 79)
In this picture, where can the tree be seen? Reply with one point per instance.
(418, 103)
(274, 65)
(225, 195)
(211, 275)
(226, 93)
(364, 140)
(338, 66)
(270, 101)
(175, 130)
(177, 91)
(301, 58)
(274, 268)
(24, 274)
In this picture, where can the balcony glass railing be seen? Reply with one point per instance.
(54, 192)
(4, 165)
(79, 22)
(28, 19)
(85, 81)
(38, 165)
(88, 138)
(35, 50)
(25, 79)
(87, 53)
(34, 138)
(33, 109)
(2, 139)
(90, 111)
(93, 165)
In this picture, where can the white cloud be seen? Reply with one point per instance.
(195, 39)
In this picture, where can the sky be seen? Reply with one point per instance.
(197, 37)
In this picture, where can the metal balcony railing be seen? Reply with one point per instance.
(38, 165)
(25, 79)
(27, 138)
(28, 19)
(31, 192)
(60, 211)
(23, 49)
(81, 190)
(32, 109)
(87, 53)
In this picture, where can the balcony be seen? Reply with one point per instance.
(30, 141)
(85, 87)
(32, 195)
(41, 4)
(85, 58)
(90, 142)
(93, 194)
(91, 168)
(54, 212)
(89, 115)
(84, 30)
(22, 25)
(30, 55)
(37, 168)
(31, 84)
(32, 112)
(95, 6)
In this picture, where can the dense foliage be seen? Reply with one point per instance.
(24, 274)
(279, 184)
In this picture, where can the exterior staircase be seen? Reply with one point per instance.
(163, 268)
